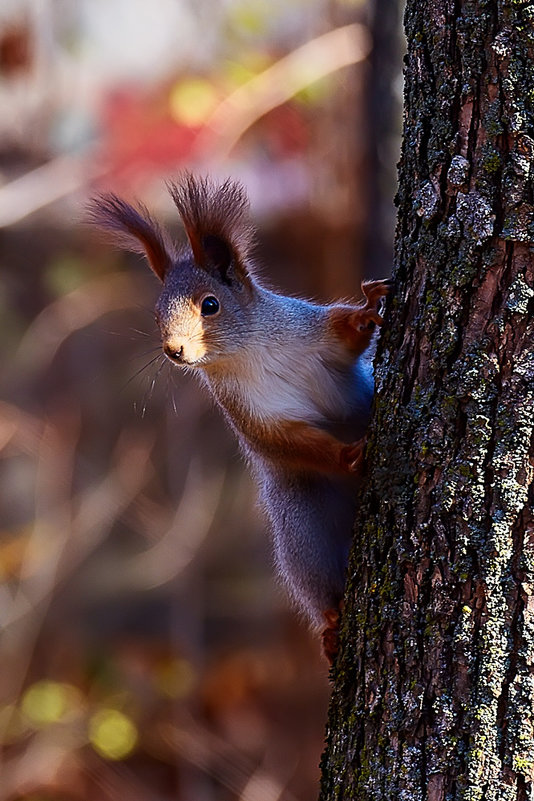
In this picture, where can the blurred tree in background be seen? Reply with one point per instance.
(146, 651)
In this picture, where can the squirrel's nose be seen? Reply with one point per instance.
(174, 354)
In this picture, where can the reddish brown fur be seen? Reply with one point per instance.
(355, 327)
(134, 229)
(330, 634)
(302, 446)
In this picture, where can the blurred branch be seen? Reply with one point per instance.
(62, 538)
(40, 765)
(117, 781)
(73, 311)
(278, 84)
(51, 181)
(178, 546)
(230, 767)
(52, 754)
(20, 427)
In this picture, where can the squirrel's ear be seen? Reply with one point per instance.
(217, 225)
(218, 253)
(133, 229)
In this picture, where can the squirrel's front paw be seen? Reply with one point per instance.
(375, 290)
(367, 317)
(352, 456)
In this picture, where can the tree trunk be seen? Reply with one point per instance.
(434, 685)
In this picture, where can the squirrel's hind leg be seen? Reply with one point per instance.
(330, 633)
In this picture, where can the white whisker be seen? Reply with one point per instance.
(150, 391)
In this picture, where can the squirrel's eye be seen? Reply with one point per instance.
(210, 305)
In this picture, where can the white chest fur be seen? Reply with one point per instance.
(273, 387)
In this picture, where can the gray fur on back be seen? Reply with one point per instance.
(311, 518)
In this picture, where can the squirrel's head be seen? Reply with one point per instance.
(205, 303)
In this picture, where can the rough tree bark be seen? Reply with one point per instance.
(434, 685)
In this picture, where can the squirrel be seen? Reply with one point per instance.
(293, 378)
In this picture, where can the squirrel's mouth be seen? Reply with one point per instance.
(178, 357)
(184, 353)
(181, 362)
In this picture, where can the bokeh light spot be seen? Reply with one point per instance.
(112, 733)
(48, 701)
(192, 101)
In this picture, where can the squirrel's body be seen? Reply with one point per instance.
(293, 378)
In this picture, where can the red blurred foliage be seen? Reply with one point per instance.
(140, 135)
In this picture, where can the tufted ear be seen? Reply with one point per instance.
(217, 225)
(133, 229)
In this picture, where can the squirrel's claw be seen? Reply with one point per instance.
(352, 456)
(373, 291)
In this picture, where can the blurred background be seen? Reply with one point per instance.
(146, 649)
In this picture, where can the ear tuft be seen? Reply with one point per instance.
(216, 220)
(219, 255)
(133, 229)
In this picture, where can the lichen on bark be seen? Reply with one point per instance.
(434, 686)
